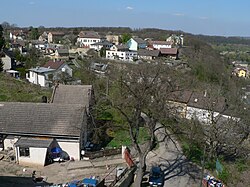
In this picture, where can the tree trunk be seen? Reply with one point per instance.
(141, 169)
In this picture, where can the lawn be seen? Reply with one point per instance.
(122, 137)
(14, 90)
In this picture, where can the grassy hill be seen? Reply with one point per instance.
(15, 90)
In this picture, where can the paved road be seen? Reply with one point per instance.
(178, 171)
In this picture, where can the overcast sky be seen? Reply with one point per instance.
(211, 17)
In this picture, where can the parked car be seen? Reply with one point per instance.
(156, 177)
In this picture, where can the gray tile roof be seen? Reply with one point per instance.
(140, 41)
(42, 119)
(33, 142)
(198, 100)
(41, 70)
(73, 94)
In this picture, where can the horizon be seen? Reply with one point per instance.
(226, 18)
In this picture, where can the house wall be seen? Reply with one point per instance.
(37, 156)
(158, 46)
(201, 115)
(121, 55)
(145, 57)
(7, 63)
(115, 39)
(36, 78)
(72, 147)
(64, 68)
(134, 46)
(86, 42)
(9, 142)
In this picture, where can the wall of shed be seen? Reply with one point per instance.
(71, 147)
(37, 156)
(9, 142)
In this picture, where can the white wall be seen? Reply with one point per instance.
(158, 46)
(122, 55)
(87, 41)
(71, 147)
(37, 156)
(9, 142)
(36, 78)
(6, 62)
(201, 115)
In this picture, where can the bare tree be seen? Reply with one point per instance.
(142, 89)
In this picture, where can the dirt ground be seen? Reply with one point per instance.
(14, 175)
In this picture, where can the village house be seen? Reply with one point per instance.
(39, 127)
(121, 52)
(148, 54)
(241, 72)
(136, 43)
(35, 130)
(55, 36)
(51, 71)
(169, 52)
(178, 102)
(176, 40)
(86, 38)
(114, 39)
(8, 60)
(60, 54)
(159, 44)
(102, 44)
(18, 34)
(198, 106)
(39, 76)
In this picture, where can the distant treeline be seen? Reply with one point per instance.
(224, 40)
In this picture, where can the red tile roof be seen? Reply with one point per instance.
(53, 65)
(169, 51)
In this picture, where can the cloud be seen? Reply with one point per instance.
(178, 14)
(129, 8)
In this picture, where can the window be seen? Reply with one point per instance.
(94, 40)
(24, 151)
(84, 40)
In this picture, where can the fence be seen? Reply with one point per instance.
(102, 153)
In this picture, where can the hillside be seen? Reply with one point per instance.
(19, 91)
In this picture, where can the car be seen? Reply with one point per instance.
(156, 177)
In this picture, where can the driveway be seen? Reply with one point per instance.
(178, 171)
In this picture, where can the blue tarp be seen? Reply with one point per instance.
(92, 182)
(56, 150)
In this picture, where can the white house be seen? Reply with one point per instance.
(52, 70)
(121, 52)
(39, 76)
(97, 46)
(136, 43)
(86, 38)
(8, 60)
(160, 44)
(206, 109)
(40, 127)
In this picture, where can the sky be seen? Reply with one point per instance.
(208, 17)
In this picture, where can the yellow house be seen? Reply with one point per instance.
(242, 73)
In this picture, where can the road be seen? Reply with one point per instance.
(178, 171)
